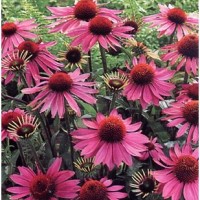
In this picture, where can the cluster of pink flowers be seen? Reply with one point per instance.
(110, 139)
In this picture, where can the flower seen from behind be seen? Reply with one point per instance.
(53, 184)
(138, 49)
(60, 88)
(110, 140)
(147, 83)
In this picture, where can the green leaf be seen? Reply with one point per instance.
(88, 109)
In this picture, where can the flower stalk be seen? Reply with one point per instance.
(114, 97)
(21, 153)
(35, 156)
(103, 57)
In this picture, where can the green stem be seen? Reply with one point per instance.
(186, 77)
(70, 138)
(90, 62)
(13, 98)
(127, 53)
(103, 57)
(170, 42)
(47, 133)
(150, 163)
(112, 104)
(21, 153)
(35, 155)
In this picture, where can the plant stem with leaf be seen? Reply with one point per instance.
(67, 119)
(35, 155)
(112, 104)
(21, 153)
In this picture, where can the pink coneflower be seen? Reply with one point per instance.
(180, 174)
(187, 114)
(53, 184)
(7, 118)
(144, 184)
(72, 56)
(172, 19)
(189, 91)
(99, 29)
(184, 53)
(111, 140)
(24, 127)
(148, 83)
(13, 33)
(100, 190)
(68, 18)
(134, 23)
(40, 58)
(154, 150)
(14, 64)
(60, 86)
(115, 81)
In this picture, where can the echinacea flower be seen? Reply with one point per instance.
(52, 185)
(85, 166)
(115, 81)
(189, 91)
(186, 114)
(13, 33)
(59, 87)
(24, 127)
(138, 49)
(110, 140)
(134, 23)
(154, 150)
(180, 173)
(41, 59)
(13, 65)
(102, 189)
(72, 56)
(147, 83)
(172, 19)
(7, 118)
(184, 53)
(99, 29)
(144, 183)
(70, 18)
